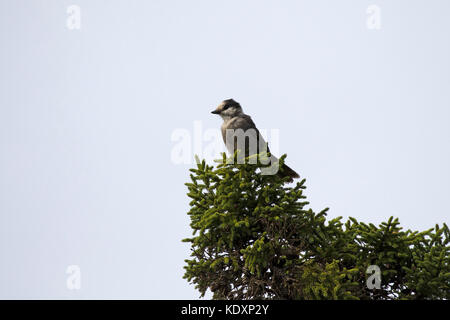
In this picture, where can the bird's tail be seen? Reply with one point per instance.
(286, 171)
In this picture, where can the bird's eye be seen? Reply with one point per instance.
(225, 107)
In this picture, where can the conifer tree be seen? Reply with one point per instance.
(255, 238)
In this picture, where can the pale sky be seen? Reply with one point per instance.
(87, 116)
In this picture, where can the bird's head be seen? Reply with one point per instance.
(228, 109)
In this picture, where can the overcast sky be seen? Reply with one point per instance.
(88, 115)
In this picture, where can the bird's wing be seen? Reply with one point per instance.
(245, 123)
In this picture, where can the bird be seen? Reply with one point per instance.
(234, 119)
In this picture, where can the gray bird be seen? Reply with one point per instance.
(233, 120)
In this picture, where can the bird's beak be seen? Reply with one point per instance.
(215, 112)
